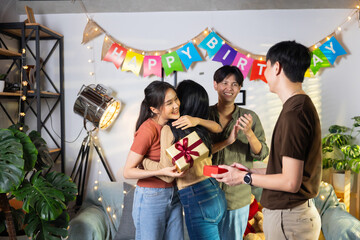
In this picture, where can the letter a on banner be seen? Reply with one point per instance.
(152, 65)
(133, 62)
(258, 70)
(188, 54)
(243, 62)
(318, 60)
(115, 54)
(225, 55)
(212, 43)
(332, 49)
(171, 62)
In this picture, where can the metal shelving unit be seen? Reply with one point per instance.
(34, 99)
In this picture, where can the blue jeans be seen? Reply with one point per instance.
(204, 206)
(234, 223)
(157, 214)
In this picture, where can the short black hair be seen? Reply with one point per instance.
(227, 70)
(293, 57)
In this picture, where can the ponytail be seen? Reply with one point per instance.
(144, 114)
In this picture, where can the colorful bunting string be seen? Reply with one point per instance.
(181, 57)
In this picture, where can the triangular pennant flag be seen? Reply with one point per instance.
(258, 70)
(171, 62)
(332, 49)
(318, 60)
(152, 65)
(307, 73)
(212, 43)
(115, 54)
(133, 62)
(188, 54)
(91, 31)
(243, 62)
(225, 55)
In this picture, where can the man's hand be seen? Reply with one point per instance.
(185, 122)
(245, 123)
(233, 133)
(232, 177)
(240, 167)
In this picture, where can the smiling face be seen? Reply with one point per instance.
(227, 89)
(170, 108)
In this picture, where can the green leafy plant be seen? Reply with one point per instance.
(339, 148)
(25, 174)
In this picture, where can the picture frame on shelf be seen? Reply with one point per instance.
(30, 15)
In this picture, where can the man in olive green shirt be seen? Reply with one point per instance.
(242, 141)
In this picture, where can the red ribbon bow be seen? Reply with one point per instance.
(185, 150)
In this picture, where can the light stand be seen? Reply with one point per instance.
(79, 173)
(97, 107)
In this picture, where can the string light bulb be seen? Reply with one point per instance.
(95, 188)
(22, 114)
(89, 47)
(108, 209)
(194, 40)
(339, 28)
(23, 97)
(96, 29)
(106, 38)
(99, 199)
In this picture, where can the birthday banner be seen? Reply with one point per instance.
(180, 58)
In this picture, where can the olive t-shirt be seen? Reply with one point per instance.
(297, 134)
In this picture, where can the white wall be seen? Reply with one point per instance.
(335, 91)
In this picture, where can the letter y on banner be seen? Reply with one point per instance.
(332, 49)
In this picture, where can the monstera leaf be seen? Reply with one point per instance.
(11, 161)
(63, 183)
(39, 229)
(44, 159)
(29, 149)
(41, 195)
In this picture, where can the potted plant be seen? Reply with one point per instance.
(25, 174)
(340, 152)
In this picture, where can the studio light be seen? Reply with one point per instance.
(95, 104)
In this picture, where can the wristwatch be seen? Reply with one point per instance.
(248, 179)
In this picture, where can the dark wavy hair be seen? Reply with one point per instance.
(226, 71)
(154, 97)
(293, 57)
(194, 101)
